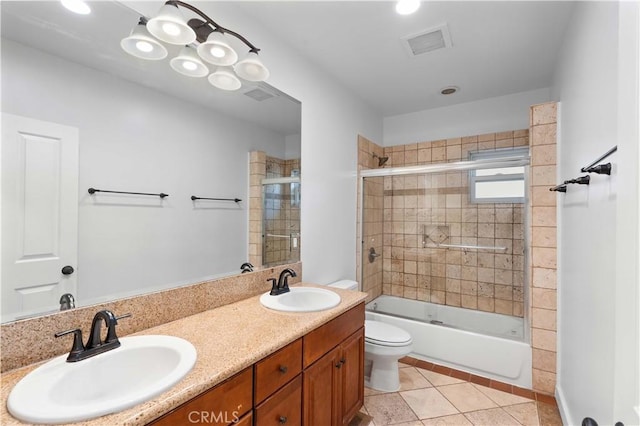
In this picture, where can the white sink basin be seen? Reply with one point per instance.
(301, 299)
(140, 369)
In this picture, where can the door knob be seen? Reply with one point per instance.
(68, 270)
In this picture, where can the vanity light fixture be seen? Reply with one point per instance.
(142, 45)
(188, 63)
(202, 40)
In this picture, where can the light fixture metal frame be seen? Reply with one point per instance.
(203, 29)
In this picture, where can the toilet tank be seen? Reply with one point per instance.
(345, 284)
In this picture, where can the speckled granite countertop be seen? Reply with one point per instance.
(228, 339)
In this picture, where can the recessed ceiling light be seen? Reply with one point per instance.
(407, 7)
(77, 6)
(449, 90)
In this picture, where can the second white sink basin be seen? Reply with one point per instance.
(140, 369)
(302, 299)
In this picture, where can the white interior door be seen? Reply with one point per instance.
(39, 215)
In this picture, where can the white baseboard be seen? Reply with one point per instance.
(562, 408)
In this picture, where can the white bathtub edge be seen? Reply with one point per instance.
(444, 346)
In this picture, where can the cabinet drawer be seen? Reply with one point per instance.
(221, 405)
(324, 338)
(283, 407)
(277, 369)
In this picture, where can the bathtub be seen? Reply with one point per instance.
(487, 344)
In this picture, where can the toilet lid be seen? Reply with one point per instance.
(385, 334)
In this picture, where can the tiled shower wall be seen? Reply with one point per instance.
(542, 260)
(371, 275)
(425, 210)
(275, 212)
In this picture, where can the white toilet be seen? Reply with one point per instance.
(384, 345)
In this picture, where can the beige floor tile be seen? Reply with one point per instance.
(526, 414)
(501, 398)
(493, 417)
(414, 423)
(410, 378)
(455, 420)
(465, 397)
(438, 379)
(388, 408)
(369, 392)
(428, 403)
(549, 415)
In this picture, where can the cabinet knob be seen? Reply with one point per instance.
(283, 369)
(342, 360)
(282, 419)
(338, 365)
(67, 270)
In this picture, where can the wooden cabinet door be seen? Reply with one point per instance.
(351, 376)
(283, 407)
(320, 391)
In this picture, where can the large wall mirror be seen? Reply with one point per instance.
(137, 126)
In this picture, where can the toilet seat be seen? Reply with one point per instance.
(379, 333)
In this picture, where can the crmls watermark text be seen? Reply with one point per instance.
(212, 417)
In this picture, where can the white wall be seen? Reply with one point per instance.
(293, 144)
(332, 118)
(595, 234)
(490, 115)
(136, 139)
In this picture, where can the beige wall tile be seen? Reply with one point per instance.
(544, 278)
(543, 155)
(544, 381)
(544, 134)
(544, 257)
(544, 113)
(543, 176)
(438, 154)
(504, 143)
(544, 298)
(543, 216)
(544, 236)
(454, 152)
(487, 137)
(543, 339)
(541, 196)
(543, 318)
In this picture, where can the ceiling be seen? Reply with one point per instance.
(498, 48)
(94, 41)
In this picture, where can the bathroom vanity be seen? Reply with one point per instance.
(256, 366)
(318, 378)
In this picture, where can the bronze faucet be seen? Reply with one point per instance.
(94, 345)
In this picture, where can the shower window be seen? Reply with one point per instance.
(497, 185)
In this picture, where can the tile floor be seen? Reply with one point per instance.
(428, 398)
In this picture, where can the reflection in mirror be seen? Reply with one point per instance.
(77, 113)
(274, 237)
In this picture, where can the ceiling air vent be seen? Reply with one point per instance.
(428, 40)
(259, 94)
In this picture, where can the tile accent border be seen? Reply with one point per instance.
(479, 380)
